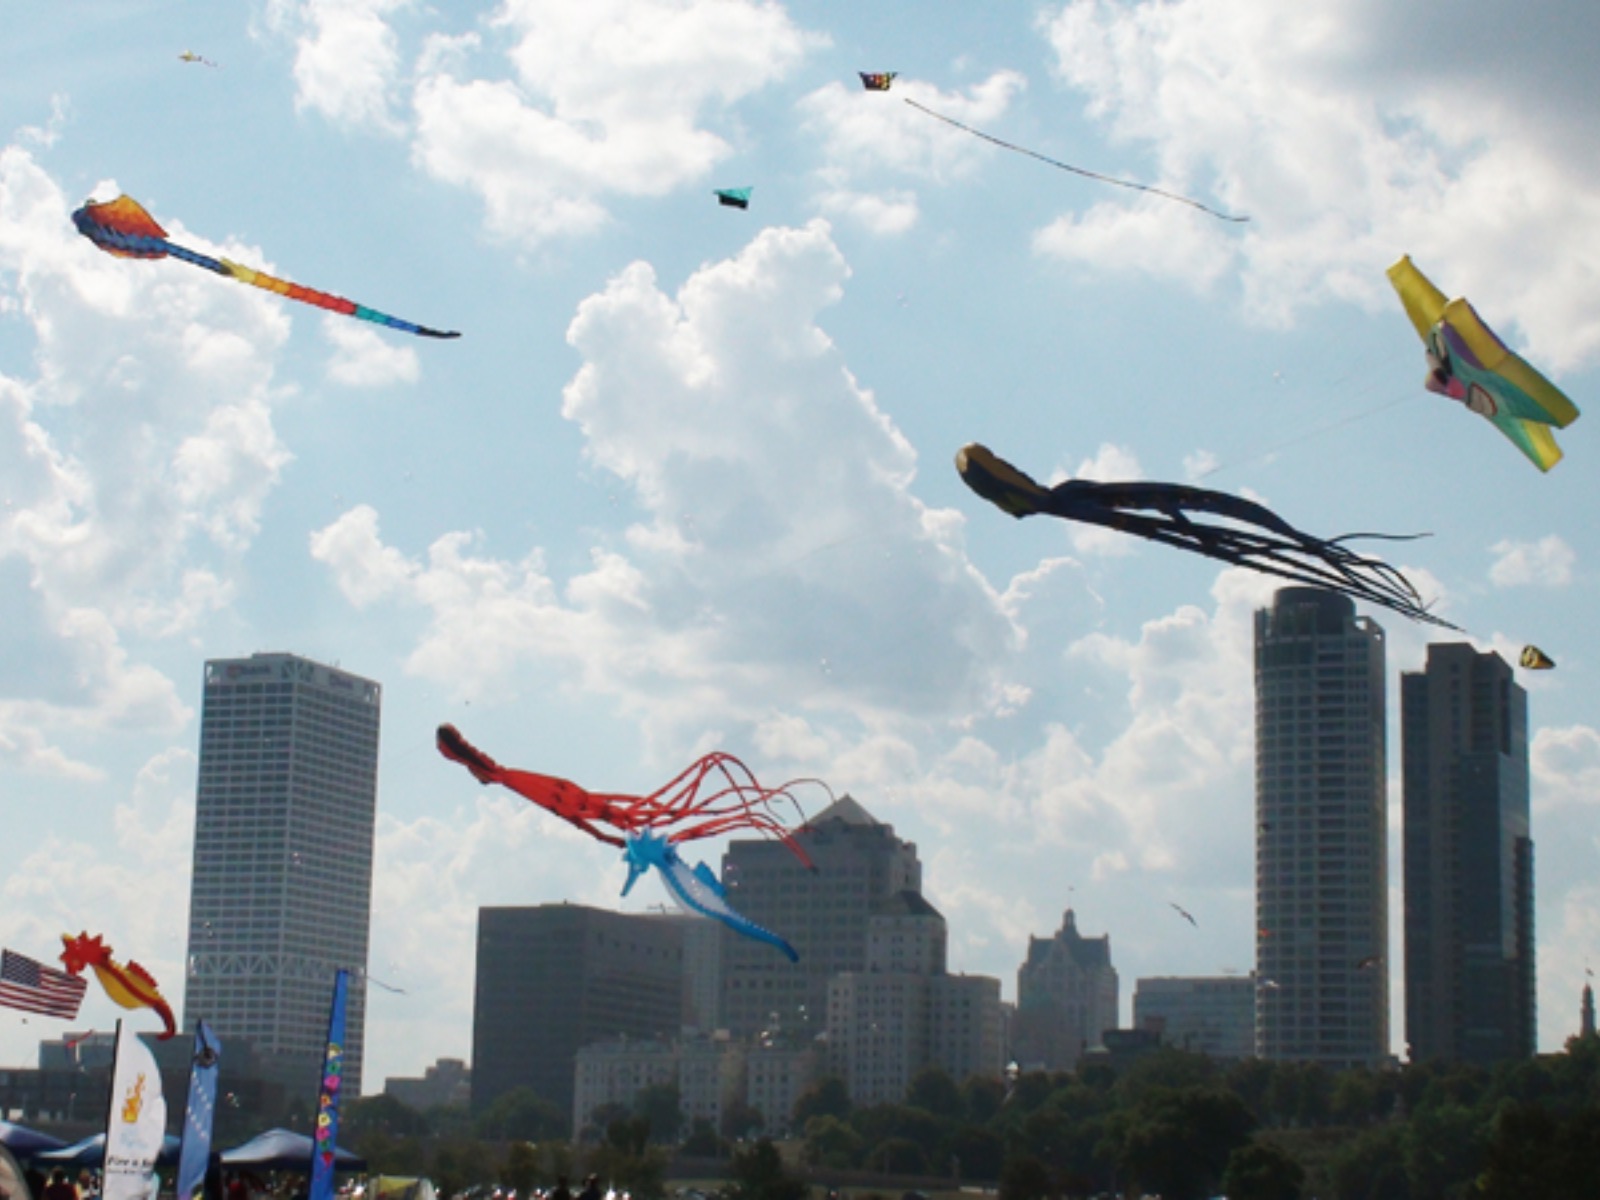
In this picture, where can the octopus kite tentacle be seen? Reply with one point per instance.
(715, 794)
(1161, 512)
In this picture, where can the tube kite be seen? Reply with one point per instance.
(695, 888)
(1467, 362)
(123, 227)
(1164, 512)
(128, 985)
(715, 794)
(1535, 659)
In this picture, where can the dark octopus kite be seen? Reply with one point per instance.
(1162, 512)
(715, 794)
(122, 227)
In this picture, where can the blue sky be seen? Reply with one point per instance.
(686, 480)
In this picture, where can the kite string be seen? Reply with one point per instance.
(1111, 179)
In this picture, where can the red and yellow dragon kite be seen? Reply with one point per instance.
(129, 985)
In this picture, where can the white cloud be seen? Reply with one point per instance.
(609, 99)
(130, 488)
(346, 58)
(1344, 137)
(365, 358)
(1545, 563)
(760, 462)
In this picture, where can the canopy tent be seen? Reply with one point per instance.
(24, 1142)
(13, 1183)
(283, 1150)
(91, 1152)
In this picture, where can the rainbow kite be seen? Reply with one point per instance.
(122, 227)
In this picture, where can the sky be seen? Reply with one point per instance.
(686, 480)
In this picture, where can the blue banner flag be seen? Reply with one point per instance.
(199, 1115)
(328, 1095)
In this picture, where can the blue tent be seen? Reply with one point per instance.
(24, 1142)
(282, 1150)
(91, 1152)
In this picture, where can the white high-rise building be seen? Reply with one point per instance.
(1322, 916)
(282, 884)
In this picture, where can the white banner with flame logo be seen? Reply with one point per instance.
(137, 1122)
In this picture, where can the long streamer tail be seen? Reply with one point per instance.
(1087, 174)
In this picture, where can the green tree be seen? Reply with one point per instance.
(1025, 1178)
(703, 1141)
(983, 1096)
(830, 1142)
(626, 1159)
(897, 1156)
(658, 1104)
(520, 1115)
(932, 1089)
(1444, 1151)
(828, 1097)
(1534, 1152)
(740, 1120)
(1177, 1142)
(1261, 1171)
(1371, 1166)
(758, 1173)
(522, 1167)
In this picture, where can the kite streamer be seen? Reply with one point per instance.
(1111, 179)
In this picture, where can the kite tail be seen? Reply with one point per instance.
(1111, 179)
(326, 300)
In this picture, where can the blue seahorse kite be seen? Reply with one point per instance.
(696, 887)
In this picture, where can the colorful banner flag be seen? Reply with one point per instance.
(328, 1095)
(136, 1124)
(36, 988)
(197, 1119)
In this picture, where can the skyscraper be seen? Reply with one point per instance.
(1322, 921)
(825, 914)
(553, 978)
(1468, 859)
(1066, 998)
(282, 884)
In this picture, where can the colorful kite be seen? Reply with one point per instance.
(1536, 659)
(715, 794)
(122, 227)
(1164, 512)
(1111, 179)
(877, 81)
(1467, 362)
(695, 888)
(734, 197)
(129, 985)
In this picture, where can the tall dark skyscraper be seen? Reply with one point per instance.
(282, 887)
(825, 914)
(1321, 837)
(553, 978)
(1468, 859)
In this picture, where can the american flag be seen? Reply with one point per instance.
(34, 987)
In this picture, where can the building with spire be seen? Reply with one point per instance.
(1586, 1013)
(1066, 998)
(1468, 860)
(1322, 917)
